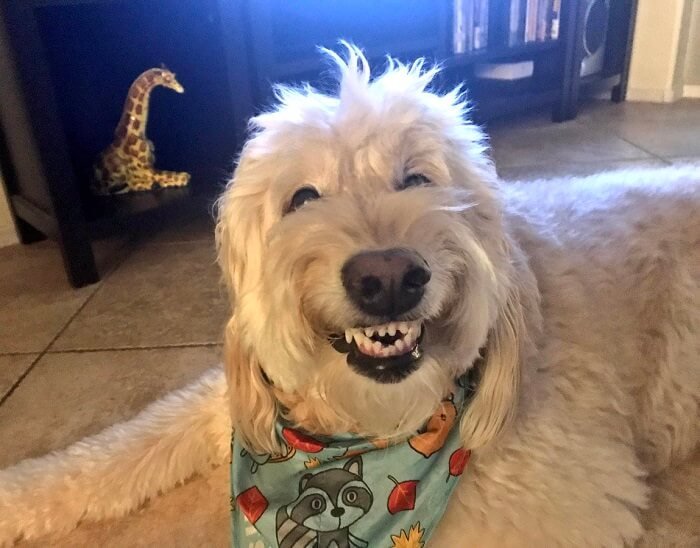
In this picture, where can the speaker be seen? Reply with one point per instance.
(594, 35)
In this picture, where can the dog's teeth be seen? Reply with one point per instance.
(403, 327)
(413, 332)
(348, 336)
(369, 331)
(400, 345)
(381, 331)
(359, 338)
(391, 329)
(377, 347)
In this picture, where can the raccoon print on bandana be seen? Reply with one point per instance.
(329, 502)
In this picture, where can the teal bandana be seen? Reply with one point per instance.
(349, 492)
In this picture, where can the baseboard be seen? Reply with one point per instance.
(8, 236)
(653, 95)
(692, 92)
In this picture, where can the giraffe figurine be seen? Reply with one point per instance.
(128, 163)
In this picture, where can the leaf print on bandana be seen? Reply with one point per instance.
(458, 462)
(438, 428)
(312, 463)
(412, 539)
(402, 496)
(301, 442)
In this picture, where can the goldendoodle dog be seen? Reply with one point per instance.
(521, 361)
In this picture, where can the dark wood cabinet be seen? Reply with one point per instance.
(65, 66)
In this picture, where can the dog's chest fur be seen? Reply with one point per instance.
(618, 267)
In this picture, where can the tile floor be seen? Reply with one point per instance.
(75, 361)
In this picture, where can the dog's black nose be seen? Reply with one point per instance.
(337, 512)
(386, 283)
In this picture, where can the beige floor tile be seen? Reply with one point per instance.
(11, 369)
(68, 396)
(674, 138)
(196, 514)
(559, 144)
(606, 114)
(36, 300)
(526, 173)
(162, 295)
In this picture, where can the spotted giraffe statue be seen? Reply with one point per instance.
(127, 164)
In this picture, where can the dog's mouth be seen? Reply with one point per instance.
(386, 353)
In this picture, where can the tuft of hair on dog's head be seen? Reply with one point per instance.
(384, 164)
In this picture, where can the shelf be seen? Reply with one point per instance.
(47, 3)
(285, 69)
(597, 78)
(136, 203)
(502, 52)
(488, 108)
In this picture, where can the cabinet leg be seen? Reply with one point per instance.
(27, 233)
(79, 261)
(617, 95)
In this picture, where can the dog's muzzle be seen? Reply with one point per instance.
(384, 284)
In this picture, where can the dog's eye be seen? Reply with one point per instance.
(301, 196)
(414, 180)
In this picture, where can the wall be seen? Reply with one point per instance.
(8, 235)
(661, 36)
(692, 61)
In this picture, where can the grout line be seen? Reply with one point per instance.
(43, 352)
(60, 332)
(127, 348)
(19, 379)
(21, 353)
(649, 152)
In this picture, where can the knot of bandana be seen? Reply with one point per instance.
(349, 492)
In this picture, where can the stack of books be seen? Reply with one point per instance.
(470, 27)
(533, 21)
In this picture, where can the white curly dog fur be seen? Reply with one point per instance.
(586, 293)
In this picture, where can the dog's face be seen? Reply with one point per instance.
(367, 260)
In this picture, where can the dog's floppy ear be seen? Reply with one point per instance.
(239, 244)
(252, 402)
(494, 404)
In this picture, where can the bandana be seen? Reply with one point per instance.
(349, 492)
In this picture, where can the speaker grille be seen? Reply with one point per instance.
(595, 25)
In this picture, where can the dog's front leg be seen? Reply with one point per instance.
(112, 473)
